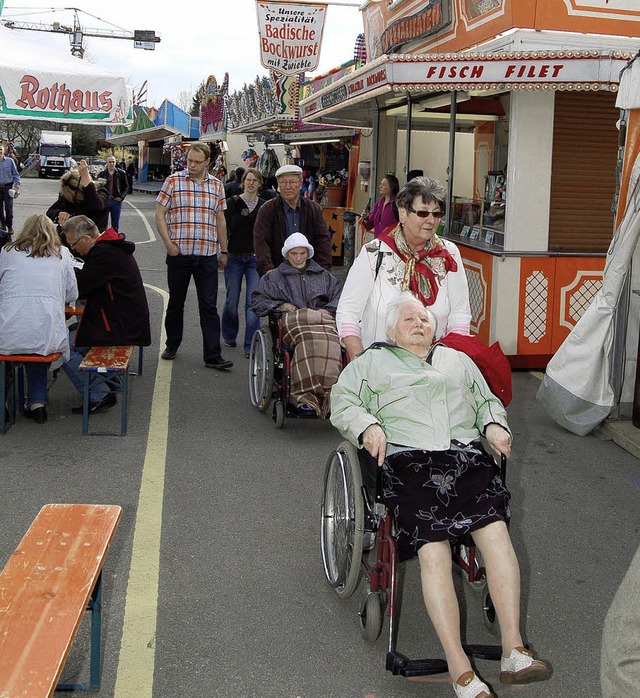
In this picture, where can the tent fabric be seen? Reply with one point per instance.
(576, 389)
(37, 84)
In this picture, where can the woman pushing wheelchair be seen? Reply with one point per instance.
(421, 410)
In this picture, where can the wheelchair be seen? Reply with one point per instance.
(270, 372)
(358, 541)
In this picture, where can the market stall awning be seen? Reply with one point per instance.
(169, 120)
(37, 84)
(355, 99)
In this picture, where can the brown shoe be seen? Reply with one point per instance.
(520, 667)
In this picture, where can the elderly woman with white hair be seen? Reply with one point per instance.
(308, 296)
(421, 410)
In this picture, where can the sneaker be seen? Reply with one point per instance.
(169, 354)
(229, 343)
(520, 667)
(38, 414)
(107, 402)
(470, 686)
(219, 363)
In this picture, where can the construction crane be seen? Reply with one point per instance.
(142, 38)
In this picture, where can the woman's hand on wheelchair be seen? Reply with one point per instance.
(375, 441)
(499, 439)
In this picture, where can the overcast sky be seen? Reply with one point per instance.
(196, 42)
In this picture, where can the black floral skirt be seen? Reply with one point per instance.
(442, 495)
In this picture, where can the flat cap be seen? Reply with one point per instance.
(289, 169)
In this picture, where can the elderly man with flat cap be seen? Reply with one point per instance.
(289, 213)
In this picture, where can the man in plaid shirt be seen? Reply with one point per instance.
(190, 220)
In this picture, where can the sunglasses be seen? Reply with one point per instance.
(426, 214)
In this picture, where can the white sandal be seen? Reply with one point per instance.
(469, 685)
(520, 667)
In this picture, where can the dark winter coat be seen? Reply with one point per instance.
(116, 311)
(313, 287)
(270, 231)
(91, 201)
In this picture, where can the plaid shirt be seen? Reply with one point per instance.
(192, 208)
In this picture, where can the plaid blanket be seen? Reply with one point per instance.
(317, 357)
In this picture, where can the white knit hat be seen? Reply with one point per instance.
(296, 240)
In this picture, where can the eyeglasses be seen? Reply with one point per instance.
(195, 162)
(73, 244)
(425, 214)
(289, 182)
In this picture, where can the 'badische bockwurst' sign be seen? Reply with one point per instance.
(290, 36)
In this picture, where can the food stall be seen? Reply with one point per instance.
(525, 91)
(267, 113)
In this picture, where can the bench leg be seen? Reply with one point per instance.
(85, 405)
(124, 404)
(8, 396)
(95, 667)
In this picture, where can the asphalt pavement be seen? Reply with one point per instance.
(214, 585)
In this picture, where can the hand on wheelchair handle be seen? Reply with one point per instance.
(375, 441)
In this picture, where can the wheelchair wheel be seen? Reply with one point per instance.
(342, 520)
(371, 616)
(489, 613)
(278, 414)
(261, 369)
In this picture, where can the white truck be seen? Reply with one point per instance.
(55, 153)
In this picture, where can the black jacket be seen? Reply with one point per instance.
(116, 312)
(120, 183)
(94, 204)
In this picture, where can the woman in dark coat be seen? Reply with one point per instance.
(308, 296)
(80, 195)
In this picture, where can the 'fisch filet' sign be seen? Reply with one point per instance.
(290, 36)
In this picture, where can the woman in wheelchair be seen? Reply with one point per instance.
(421, 412)
(307, 296)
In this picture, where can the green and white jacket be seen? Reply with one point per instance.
(419, 405)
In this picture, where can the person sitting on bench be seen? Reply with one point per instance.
(421, 411)
(36, 280)
(116, 312)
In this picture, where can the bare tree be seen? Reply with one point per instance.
(185, 99)
(24, 133)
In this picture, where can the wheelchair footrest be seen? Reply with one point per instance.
(483, 651)
(399, 664)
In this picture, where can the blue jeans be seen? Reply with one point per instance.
(204, 270)
(96, 392)
(115, 208)
(37, 374)
(240, 265)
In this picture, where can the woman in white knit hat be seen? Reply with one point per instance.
(308, 296)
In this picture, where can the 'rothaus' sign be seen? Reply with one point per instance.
(290, 35)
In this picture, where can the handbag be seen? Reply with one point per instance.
(490, 360)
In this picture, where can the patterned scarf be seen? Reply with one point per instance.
(423, 267)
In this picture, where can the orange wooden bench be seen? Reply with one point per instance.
(9, 365)
(52, 578)
(103, 364)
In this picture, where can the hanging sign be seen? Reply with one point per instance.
(290, 35)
